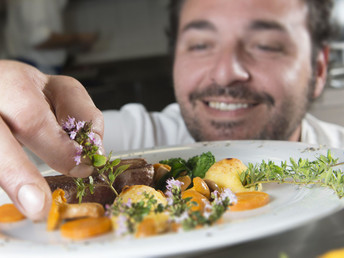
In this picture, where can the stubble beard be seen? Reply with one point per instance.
(279, 125)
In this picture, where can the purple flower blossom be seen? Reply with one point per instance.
(121, 228)
(169, 200)
(72, 135)
(69, 124)
(77, 157)
(208, 209)
(129, 202)
(227, 193)
(95, 140)
(79, 149)
(173, 183)
(182, 217)
(79, 125)
(91, 136)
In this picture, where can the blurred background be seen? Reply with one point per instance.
(128, 59)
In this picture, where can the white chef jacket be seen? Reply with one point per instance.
(29, 23)
(132, 127)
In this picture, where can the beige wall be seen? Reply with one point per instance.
(127, 28)
(330, 106)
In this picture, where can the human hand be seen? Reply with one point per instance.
(32, 108)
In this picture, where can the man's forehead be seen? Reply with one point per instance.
(257, 14)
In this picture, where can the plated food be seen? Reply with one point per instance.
(290, 206)
(169, 196)
(192, 194)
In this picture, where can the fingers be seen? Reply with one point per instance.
(37, 108)
(69, 98)
(20, 179)
(32, 108)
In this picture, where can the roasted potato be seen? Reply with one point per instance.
(135, 193)
(226, 174)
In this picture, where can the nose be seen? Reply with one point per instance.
(228, 68)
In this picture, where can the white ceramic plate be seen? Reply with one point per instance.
(290, 206)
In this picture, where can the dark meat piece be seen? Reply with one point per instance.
(135, 176)
(102, 192)
(139, 173)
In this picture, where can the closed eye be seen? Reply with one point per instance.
(198, 47)
(270, 48)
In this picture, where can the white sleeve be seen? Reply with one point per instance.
(315, 131)
(133, 127)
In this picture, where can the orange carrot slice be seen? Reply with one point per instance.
(9, 213)
(84, 228)
(199, 199)
(250, 200)
(54, 217)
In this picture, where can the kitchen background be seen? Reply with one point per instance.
(130, 61)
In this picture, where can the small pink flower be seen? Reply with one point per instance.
(79, 149)
(77, 159)
(80, 125)
(171, 183)
(72, 135)
(129, 202)
(69, 124)
(182, 217)
(208, 209)
(95, 140)
(227, 193)
(121, 228)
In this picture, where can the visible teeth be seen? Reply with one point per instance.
(227, 107)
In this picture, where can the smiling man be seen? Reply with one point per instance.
(243, 69)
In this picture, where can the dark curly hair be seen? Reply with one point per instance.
(319, 23)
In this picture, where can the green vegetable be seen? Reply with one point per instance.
(196, 166)
(201, 164)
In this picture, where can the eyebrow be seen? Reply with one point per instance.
(256, 25)
(259, 25)
(199, 25)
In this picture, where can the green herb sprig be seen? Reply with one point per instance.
(87, 149)
(319, 172)
(179, 209)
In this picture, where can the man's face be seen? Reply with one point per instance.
(243, 68)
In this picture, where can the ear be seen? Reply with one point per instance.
(321, 71)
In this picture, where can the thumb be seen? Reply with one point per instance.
(20, 179)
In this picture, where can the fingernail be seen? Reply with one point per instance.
(31, 198)
(81, 170)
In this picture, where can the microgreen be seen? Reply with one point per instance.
(320, 172)
(87, 149)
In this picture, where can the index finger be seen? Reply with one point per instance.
(38, 105)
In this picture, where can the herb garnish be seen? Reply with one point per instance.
(178, 209)
(87, 149)
(303, 172)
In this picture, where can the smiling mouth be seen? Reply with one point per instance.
(222, 106)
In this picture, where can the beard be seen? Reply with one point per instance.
(279, 122)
